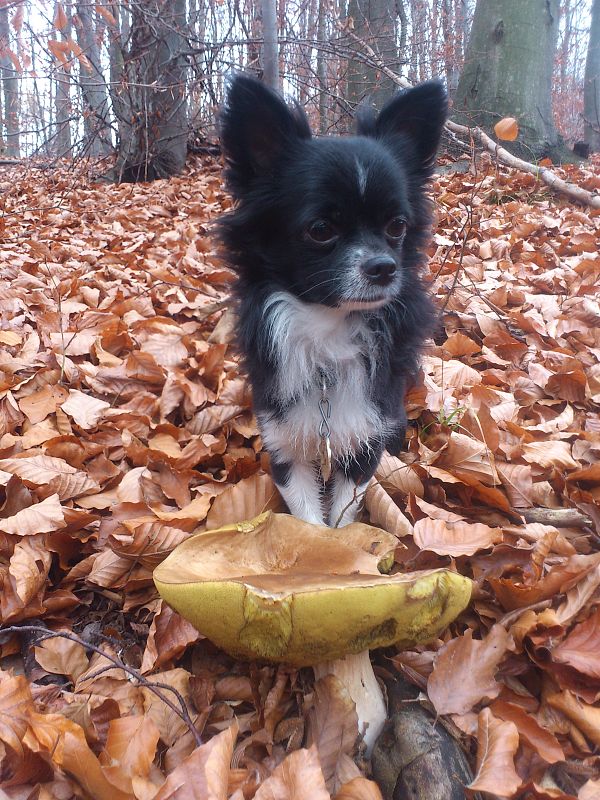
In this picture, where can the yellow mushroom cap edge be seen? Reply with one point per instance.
(302, 619)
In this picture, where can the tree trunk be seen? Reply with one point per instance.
(153, 116)
(375, 25)
(403, 22)
(508, 72)
(93, 86)
(322, 66)
(270, 50)
(117, 32)
(10, 86)
(450, 31)
(591, 88)
(62, 99)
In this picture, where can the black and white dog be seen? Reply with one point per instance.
(327, 239)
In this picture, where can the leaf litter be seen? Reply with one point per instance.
(126, 425)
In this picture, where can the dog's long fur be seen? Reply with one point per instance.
(327, 239)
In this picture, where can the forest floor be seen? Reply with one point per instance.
(125, 425)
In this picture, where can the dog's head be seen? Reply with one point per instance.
(334, 220)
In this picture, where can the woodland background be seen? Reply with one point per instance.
(146, 77)
(125, 423)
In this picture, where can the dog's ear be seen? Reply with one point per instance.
(257, 127)
(418, 114)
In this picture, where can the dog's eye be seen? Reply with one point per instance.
(322, 232)
(396, 228)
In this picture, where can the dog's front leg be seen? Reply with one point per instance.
(350, 483)
(300, 487)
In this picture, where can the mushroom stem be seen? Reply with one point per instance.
(356, 674)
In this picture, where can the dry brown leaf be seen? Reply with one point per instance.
(549, 454)
(384, 512)
(246, 499)
(589, 791)
(196, 510)
(332, 726)
(359, 789)
(454, 538)
(39, 518)
(64, 743)
(60, 18)
(581, 648)
(298, 777)
(168, 637)
(55, 474)
(15, 704)
(464, 670)
(578, 596)
(62, 657)
(130, 749)
(105, 13)
(170, 725)
(585, 716)
(394, 474)
(204, 774)
(507, 129)
(38, 405)
(497, 744)
(86, 411)
(537, 737)
(28, 569)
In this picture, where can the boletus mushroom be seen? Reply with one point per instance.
(279, 589)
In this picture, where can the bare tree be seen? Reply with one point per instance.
(591, 89)
(91, 80)
(508, 71)
(10, 86)
(270, 49)
(62, 97)
(374, 23)
(153, 112)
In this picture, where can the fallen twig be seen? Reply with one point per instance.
(156, 687)
(559, 517)
(546, 175)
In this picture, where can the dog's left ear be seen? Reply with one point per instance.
(418, 114)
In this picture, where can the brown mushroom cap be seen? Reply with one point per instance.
(280, 589)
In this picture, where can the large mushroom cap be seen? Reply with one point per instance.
(280, 589)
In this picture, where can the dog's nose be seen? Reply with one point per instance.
(379, 269)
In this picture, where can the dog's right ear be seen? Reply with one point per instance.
(257, 127)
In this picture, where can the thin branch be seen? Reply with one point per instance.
(181, 711)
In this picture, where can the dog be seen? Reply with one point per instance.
(327, 237)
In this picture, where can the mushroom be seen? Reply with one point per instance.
(279, 589)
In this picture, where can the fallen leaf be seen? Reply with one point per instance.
(497, 747)
(585, 716)
(299, 776)
(204, 774)
(454, 538)
(332, 726)
(55, 474)
(246, 499)
(581, 648)
(507, 129)
(359, 789)
(85, 410)
(537, 737)
(384, 512)
(64, 743)
(62, 657)
(464, 670)
(39, 518)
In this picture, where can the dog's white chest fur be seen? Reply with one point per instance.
(309, 341)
